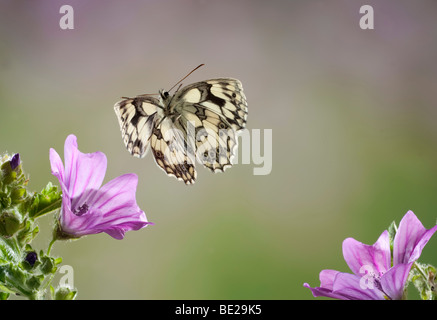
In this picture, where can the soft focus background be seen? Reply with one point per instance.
(353, 115)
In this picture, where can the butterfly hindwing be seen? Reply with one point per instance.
(170, 151)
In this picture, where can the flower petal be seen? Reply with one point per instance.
(83, 171)
(67, 218)
(15, 161)
(112, 209)
(393, 281)
(357, 287)
(327, 278)
(323, 292)
(119, 192)
(362, 257)
(410, 239)
(57, 168)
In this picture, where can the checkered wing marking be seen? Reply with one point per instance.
(218, 110)
(169, 148)
(137, 117)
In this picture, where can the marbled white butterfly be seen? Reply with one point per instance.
(200, 121)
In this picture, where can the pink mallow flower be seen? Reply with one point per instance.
(87, 208)
(373, 277)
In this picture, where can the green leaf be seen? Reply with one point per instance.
(5, 289)
(9, 250)
(48, 200)
(4, 295)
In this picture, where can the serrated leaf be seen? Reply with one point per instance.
(46, 201)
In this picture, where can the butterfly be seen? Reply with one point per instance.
(199, 121)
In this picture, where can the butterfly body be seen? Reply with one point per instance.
(200, 121)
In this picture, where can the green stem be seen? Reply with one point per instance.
(422, 272)
(50, 246)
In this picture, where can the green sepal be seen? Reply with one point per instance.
(27, 266)
(392, 228)
(391, 234)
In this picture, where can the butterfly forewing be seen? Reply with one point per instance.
(201, 121)
(217, 109)
(223, 96)
(137, 119)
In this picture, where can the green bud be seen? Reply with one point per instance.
(34, 282)
(18, 195)
(7, 174)
(63, 293)
(5, 200)
(27, 233)
(48, 264)
(10, 223)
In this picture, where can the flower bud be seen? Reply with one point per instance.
(15, 161)
(64, 293)
(49, 265)
(34, 282)
(18, 195)
(5, 200)
(9, 168)
(10, 222)
(31, 258)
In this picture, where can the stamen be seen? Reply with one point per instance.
(81, 210)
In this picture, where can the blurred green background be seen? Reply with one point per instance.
(353, 114)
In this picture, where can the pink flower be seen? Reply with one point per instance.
(373, 277)
(87, 208)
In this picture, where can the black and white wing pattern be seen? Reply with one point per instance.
(170, 150)
(201, 121)
(137, 118)
(217, 109)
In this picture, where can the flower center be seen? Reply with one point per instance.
(377, 283)
(81, 210)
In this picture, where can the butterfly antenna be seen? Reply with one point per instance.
(147, 94)
(178, 88)
(186, 76)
